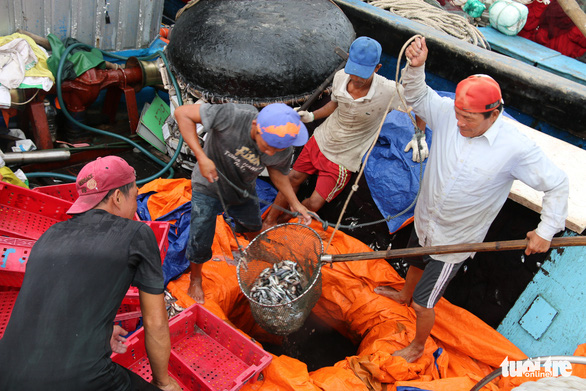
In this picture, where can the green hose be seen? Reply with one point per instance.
(166, 166)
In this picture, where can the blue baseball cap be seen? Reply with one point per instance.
(281, 127)
(363, 58)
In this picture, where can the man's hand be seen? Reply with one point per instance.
(172, 386)
(306, 116)
(207, 168)
(117, 340)
(305, 217)
(416, 53)
(419, 155)
(536, 244)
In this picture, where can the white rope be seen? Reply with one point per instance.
(419, 11)
(569, 383)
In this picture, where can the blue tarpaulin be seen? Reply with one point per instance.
(392, 176)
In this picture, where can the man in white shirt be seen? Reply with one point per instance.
(474, 158)
(358, 103)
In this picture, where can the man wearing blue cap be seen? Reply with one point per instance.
(241, 142)
(358, 103)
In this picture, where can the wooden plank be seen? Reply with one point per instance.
(517, 47)
(505, 245)
(569, 158)
(535, 54)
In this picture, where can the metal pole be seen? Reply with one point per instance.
(42, 156)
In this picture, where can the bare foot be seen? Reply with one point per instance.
(195, 291)
(392, 294)
(410, 353)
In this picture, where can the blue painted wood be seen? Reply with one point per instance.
(560, 282)
(538, 317)
(535, 54)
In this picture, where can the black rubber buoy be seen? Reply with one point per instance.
(257, 51)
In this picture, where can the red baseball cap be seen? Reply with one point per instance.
(97, 178)
(478, 94)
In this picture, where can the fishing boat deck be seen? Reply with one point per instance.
(569, 158)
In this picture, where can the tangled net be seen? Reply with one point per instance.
(432, 16)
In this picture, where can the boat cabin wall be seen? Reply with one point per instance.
(108, 25)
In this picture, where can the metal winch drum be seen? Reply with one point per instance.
(293, 242)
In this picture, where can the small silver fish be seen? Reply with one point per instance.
(279, 284)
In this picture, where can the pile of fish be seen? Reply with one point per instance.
(279, 284)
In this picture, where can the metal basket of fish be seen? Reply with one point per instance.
(282, 276)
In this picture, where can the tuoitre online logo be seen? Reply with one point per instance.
(536, 368)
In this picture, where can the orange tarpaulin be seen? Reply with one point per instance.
(470, 349)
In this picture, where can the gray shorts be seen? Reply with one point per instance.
(434, 281)
(435, 278)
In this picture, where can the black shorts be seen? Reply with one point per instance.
(435, 278)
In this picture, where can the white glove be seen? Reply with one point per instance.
(419, 155)
(306, 116)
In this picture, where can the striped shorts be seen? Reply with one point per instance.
(435, 278)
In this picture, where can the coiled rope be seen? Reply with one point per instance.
(419, 11)
(570, 383)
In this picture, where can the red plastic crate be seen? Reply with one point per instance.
(28, 214)
(7, 300)
(65, 191)
(161, 230)
(206, 353)
(14, 253)
(126, 314)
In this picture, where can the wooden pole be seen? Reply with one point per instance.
(451, 249)
(574, 12)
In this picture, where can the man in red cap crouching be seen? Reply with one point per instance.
(61, 332)
(474, 158)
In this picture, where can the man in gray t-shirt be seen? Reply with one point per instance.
(241, 142)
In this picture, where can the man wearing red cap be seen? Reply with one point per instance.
(358, 103)
(475, 156)
(60, 335)
(240, 143)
